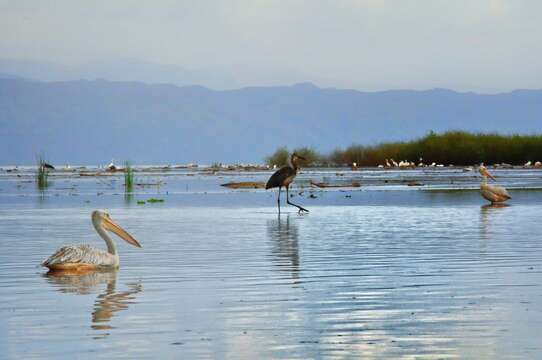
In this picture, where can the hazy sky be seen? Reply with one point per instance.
(480, 45)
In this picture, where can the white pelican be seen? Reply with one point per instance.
(81, 258)
(495, 194)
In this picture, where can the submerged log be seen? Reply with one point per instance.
(328, 185)
(244, 185)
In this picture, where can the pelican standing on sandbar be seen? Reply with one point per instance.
(81, 258)
(284, 177)
(495, 194)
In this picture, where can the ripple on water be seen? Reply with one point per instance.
(408, 281)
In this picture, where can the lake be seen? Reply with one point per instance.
(410, 264)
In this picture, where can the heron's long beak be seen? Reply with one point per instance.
(123, 234)
(486, 173)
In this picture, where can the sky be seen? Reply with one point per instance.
(370, 45)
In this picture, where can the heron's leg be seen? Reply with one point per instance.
(278, 198)
(290, 203)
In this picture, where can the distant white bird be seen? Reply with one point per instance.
(440, 165)
(394, 163)
(528, 163)
(111, 165)
(492, 193)
(388, 163)
(380, 166)
(433, 164)
(537, 164)
(421, 164)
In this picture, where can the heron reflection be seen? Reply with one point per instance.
(283, 235)
(107, 303)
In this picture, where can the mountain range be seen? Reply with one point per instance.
(93, 121)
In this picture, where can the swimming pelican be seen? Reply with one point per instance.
(81, 258)
(284, 177)
(492, 193)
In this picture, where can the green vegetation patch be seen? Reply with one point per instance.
(449, 148)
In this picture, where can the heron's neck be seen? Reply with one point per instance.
(484, 181)
(111, 247)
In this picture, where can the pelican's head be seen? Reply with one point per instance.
(484, 172)
(103, 220)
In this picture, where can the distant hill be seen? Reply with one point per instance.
(94, 121)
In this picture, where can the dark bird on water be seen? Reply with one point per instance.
(284, 177)
(47, 166)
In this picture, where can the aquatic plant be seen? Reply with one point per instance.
(42, 174)
(154, 200)
(128, 177)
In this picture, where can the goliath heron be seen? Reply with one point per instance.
(284, 177)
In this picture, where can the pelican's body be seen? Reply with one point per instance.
(492, 193)
(85, 257)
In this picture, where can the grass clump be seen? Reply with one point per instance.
(42, 174)
(140, 202)
(154, 200)
(128, 177)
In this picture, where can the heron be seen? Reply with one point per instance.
(495, 194)
(82, 258)
(284, 177)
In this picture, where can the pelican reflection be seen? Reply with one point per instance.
(488, 211)
(283, 236)
(107, 303)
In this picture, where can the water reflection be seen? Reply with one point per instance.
(487, 212)
(107, 303)
(283, 235)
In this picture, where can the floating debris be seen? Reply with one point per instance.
(244, 185)
(95, 174)
(328, 185)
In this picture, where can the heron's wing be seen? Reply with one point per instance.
(83, 254)
(279, 176)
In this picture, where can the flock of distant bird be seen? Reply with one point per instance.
(77, 259)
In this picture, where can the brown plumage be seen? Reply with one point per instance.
(284, 177)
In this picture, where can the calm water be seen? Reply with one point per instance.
(374, 272)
